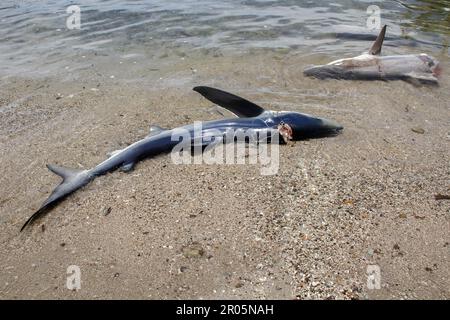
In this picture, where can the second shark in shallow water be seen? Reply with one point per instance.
(420, 68)
(250, 117)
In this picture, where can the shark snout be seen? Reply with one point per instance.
(330, 125)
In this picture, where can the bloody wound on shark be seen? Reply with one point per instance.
(252, 118)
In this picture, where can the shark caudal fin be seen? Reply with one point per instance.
(72, 180)
(376, 47)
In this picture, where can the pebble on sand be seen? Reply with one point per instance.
(418, 130)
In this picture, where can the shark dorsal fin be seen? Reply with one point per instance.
(237, 105)
(376, 47)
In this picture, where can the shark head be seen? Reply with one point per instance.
(431, 64)
(301, 125)
(291, 125)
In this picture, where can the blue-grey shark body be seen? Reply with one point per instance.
(414, 68)
(250, 117)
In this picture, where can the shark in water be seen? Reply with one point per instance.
(415, 68)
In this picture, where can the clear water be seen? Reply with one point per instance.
(34, 38)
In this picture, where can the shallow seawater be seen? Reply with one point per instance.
(35, 40)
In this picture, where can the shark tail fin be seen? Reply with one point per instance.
(73, 179)
(63, 172)
(376, 47)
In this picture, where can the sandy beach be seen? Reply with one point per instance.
(166, 231)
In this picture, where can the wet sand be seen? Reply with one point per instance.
(337, 205)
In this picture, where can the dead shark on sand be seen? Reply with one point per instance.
(250, 118)
(419, 68)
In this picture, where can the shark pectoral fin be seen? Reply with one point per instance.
(154, 130)
(376, 47)
(113, 153)
(127, 167)
(237, 105)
